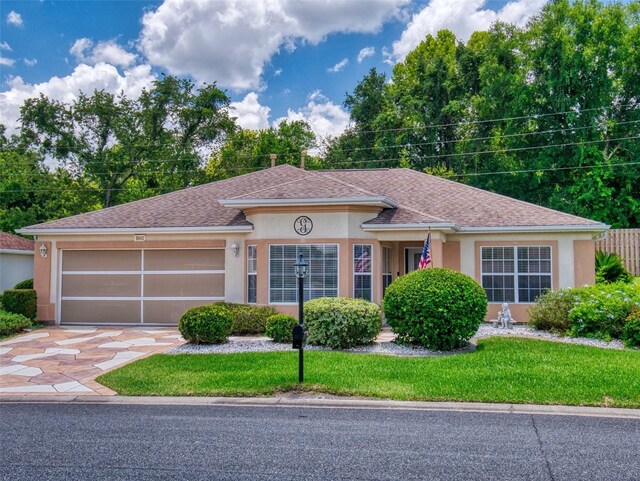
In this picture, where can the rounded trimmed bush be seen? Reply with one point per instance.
(26, 284)
(206, 324)
(11, 323)
(341, 322)
(280, 327)
(21, 301)
(631, 331)
(436, 308)
(248, 318)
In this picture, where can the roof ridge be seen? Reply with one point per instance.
(399, 204)
(513, 199)
(348, 184)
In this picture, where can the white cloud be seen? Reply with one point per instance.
(250, 114)
(7, 62)
(84, 50)
(462, 17)
(277, 73)
(84, 78)
(366, 52)
(30, 62)
(5, 46)
(230, 41)
(339, 66)
(15, 19)
(325, 118)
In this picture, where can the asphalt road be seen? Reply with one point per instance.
(151, 442)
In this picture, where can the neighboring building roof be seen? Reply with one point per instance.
(10, 242)
(412, 199)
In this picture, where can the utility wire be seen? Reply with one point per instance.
(629, 107)
(550, 169)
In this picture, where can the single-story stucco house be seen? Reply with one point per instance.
(237, 239)
(16, 260)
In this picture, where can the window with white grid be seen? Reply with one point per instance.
(515, 274)
(362, 269)
(322, 276)
(252, 274)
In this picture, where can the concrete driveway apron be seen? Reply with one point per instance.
(60, 360)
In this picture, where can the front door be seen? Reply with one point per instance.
(412, 258)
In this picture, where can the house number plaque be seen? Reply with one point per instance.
(303, 225)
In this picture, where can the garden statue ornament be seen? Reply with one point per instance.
(505, 321)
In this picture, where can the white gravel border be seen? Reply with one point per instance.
(388, 347)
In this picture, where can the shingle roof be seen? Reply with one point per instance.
(14, 243)
(421, 199)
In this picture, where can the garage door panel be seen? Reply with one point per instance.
(101, 285)
(168, 312)
(101, 260)
(184, 285)
(184, 260)
(101, 311)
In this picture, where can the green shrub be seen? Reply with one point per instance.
(20, 301)
(249, 319)
(11, 323)
(551, 310)
(26, 284)
(601, 310)
(341, 322)
(206, 324)
(280, 327)
(631, 331)
(610, 268)
(435, 308)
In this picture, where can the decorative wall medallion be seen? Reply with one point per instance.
(303, 225)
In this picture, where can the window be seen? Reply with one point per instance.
(387, 276)
(321, 280)
(516, 274)
(362, 268)
(252, 274)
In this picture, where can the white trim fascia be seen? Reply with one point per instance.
(403, 227)
(375, 201)
(140, 230)
(16, 251)
(535, 228)
(487, 229)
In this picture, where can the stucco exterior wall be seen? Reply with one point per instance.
(14, 268)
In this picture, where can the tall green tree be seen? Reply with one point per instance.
(160, 140)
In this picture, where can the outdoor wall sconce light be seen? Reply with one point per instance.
(43, 251)
(235, 249)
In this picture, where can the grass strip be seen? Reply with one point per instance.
(508, 370)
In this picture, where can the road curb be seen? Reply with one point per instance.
(331, 402)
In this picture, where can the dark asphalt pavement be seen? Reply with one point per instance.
(152, 442)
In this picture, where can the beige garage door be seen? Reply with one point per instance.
(138, 286)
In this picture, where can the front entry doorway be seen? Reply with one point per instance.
(412, 258)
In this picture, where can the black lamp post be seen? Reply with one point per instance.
(301, 269)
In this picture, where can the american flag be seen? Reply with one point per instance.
(425, 258)
(363, 261)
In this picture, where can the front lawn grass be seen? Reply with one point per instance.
(508, 370)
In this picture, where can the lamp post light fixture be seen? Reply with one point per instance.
(235, 249)
(301, 269)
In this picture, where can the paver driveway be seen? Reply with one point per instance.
(67, 360)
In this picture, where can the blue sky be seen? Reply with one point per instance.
(276, 59)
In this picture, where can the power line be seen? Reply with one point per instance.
(550, 169)
(461, 154)
(340, 162)
(630, 106)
